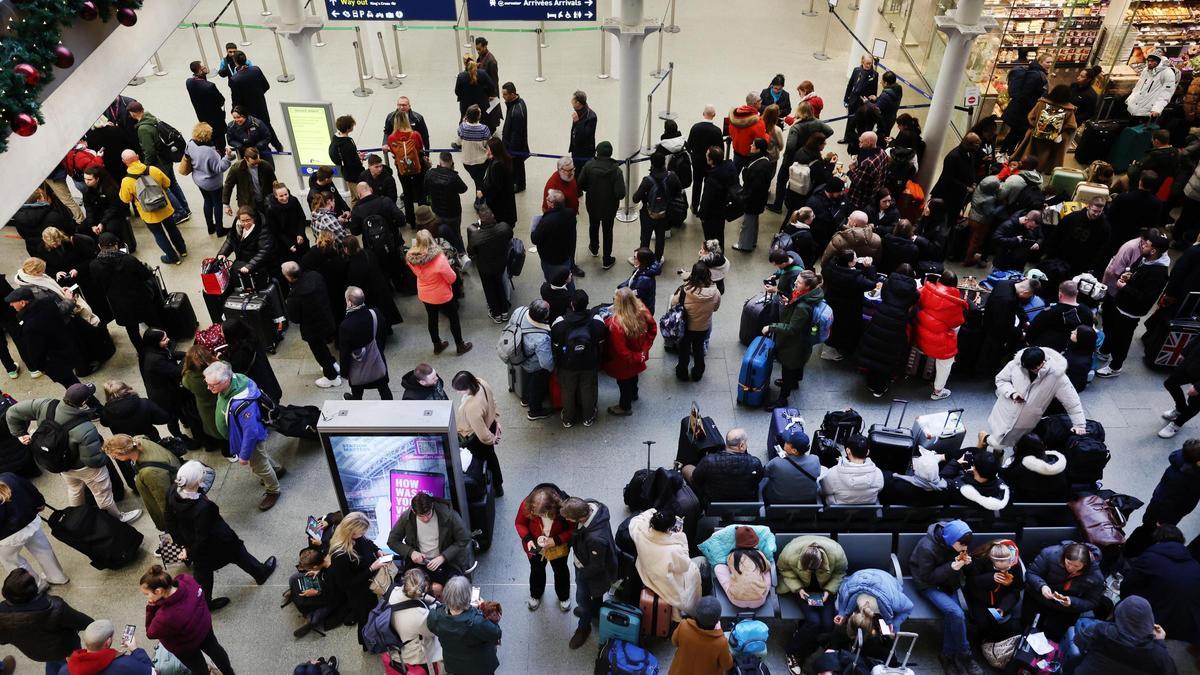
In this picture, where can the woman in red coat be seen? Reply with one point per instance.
(940, 311)
(631, 332)
(435, 289)
(546, 537)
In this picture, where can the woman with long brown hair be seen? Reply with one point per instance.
(497, 186)
(410, 155)
(202, 417)
(545, 538)
(631, 332)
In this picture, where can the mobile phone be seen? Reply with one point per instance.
(129, 631)
(779, 450)
(884, 629)
(815, 601)
(995, 613)
(475, 596)
(387, 558)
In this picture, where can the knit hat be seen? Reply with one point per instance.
(707, 612)
(798, 439)
(425, 216)
(1134, 618)
(79, 393)
(986, 465)
(745, 537)
(604, 149)
(954, 531)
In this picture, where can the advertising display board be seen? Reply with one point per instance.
(391, 10)
(310, 130)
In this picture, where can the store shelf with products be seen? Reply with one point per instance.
(1170, 28)
(1069, 30)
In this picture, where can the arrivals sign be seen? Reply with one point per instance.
(531, 10)
(391, 10)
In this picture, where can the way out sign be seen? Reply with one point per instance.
(531, 10)
(391, 10)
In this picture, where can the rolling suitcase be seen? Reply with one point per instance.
(1133, 143)
(1085, 192)
(481, 504)
(940, 432)
(698, 436)
(656, 614)
(757, 313)
(919, 363)
(782, 420)
(892, 447)
(621, 621)
(105, 540)
(1095, 139)
(1166, 341)
(262, 310)
(836, 427)
(1064, 180)
(754, 380)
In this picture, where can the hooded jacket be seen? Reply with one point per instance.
(1038, 481)
(468, 640)
(1153, 90)
(894, 605)
(108, 662)
(745, 125)
(852, 483)
(415, 391)
(987, 207)
(43, 629)
(884, 344)
(1177, 492)
(602, 183)
(625, 356)
(435, 278)
(991, 495)
(1012, 186)
(829, 576)
(180, 621)
(664, 565)
(1125, 646)
(444, 185)
(1085, 589)
(940, 311)
(642, 281)
(129, 191)
(699, 651)
(248, 430)
(793, 345)
(1009, 419)
(1137, 297)
(454, 542)
(930, 562)
(1168, 577)
(595, 550)
(700, 305)
(84, 438)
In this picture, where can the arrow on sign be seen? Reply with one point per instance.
(588, 3)
(589, 13)
(335, 14)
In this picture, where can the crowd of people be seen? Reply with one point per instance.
(859, 275)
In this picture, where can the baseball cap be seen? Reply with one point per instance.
(22, 293)
(79, 393)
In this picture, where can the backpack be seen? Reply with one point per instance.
(516, 257)
(408, 160)
(377, 633)
(656, 198)
(578, 350)
(749, 637)
(148, 192)
(1049, 124)
(168, 142)
(781, 242)
(618, 657)
(377, 236)
(680, 164)
(674, 321)
(1086, 459)
(800, 178)
(821, 323)
(735, 203)
(511, 346)
(1030, 197)
(51, 443)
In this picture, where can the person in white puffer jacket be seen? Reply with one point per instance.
(1154, 89)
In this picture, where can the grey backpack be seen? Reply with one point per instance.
(148, 192)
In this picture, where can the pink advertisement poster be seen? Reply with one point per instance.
(406, 484)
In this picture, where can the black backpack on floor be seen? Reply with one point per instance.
(105, 540)
(1086, 459)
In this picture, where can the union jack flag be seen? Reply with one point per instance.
(1178, 339)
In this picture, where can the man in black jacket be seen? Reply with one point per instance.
(308, 306)
(722, 178)
(1081, 239)
(595, 561)
(208, 102)
(488, 244)
(577, 339)
(516, 133)
(1052, 327)
(248, 88)
(128, 286)
(830, 212)
(957, 179)
(702, 136)
(414, 118)
(42, 337)
(443, 185)
(1026, 84)
(583, 131)
(355, 334)
(371, 204)
(1138, 289)
(937, 564)
(42, 626)
(423, 384)
(1004, 310)
(555, 235)
(379, 176)
(732, 475)
(1017, 240)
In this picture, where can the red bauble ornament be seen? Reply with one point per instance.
(31, 74)
(24, 124)
(88, 11)
(126, 16)
(63, 58)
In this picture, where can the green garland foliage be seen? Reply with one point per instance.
(32, 30)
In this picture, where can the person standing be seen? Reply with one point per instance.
(248, 88)
(516, 133)
(583, 130)
(407, 145)
(487, 62)
(155, 468)
(148, 134)
(160, 221)
(239, 418)
(488, 245)
(207, 166)
(344, 153)
(103, 207)
(423, 383)
(868, 173)
(497, 189)
(435, 280)
(702, 136)
(360, 341)
(655, 193)
(286, 218)
(1052, 125)
(957, 180)
(1138, 289)
(252, 177)
(415, 119)
(563, 180)
(793, 333)
(127, 285)
(604, 186)
(308, 306)
(208, 102)
(443, 185)
(745, 125)
(37, 331)
(162, 372)
(595, 561)
(631, 330)
(379, 176)
(721, 178)
(861, 88)
(756, 183)
(1026, 84)
(700, 300)
(249, 132)
(478, 421)
(1024, 389)
(940, 312)
(555, 235)
(888, 103)
(41, 626)
(21, 528)
(546, 537)
(177, 615)
(578, 339)
(473, 137)
(473, 88)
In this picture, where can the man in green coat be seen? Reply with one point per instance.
(155, 466)
(148, 134)
(793, 340)
(604, 185)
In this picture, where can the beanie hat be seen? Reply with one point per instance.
(745, 537)
(954, 531)
(707, 612)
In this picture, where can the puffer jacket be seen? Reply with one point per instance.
(894, 605)
(700, 304)
(862, 240)
(44, 629)
(930, 562)
(625, 357)
(987, 208)
(435, 278)
(852, 483)
(727, 476)
(940, 312)
(830, 574)
(444, 186)
(641, 280)
(664, 565)
(1153, 90)
(1086, 589)
(488, 246)
(884, 344)
(744, 584)
(745, 125)
(253, 250)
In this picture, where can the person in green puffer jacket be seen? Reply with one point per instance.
(155, 466)
(793, 344)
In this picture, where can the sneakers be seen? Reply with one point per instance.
(830, 354)
(532, 416)
(594, 250)
(15, 372)
(580, 636)
(533, 604)
(567, 425)
(939, 395)
(497, 319)
(564, 605)
(608, 263)
(578, 273)
(1169, 431)
(130, 516)
(169, 260)
(589, 421)
(268, 501)
(533, 249)
(326, 383)
(233, 459)
(1108, 371)
(183, 218)
(1170, 415)
(35, 374)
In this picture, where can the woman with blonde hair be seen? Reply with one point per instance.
(353, 561)
(126, 412)
(473, 87)
(993, 584)
(207, 166)
(545, 538)
(33, 273)
(411, 157)
(68, 259)
(435, 289)
(155, 467)
(20, 528)
(631, 332)
(418, 645)
(874, 596)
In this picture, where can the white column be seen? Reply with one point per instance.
(864, 28)
(961, 28)
(295, 29)
(631, 34)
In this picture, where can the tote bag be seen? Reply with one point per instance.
(366, 364)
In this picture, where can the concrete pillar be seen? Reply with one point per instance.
(961, 27)
(864, 28)
(295, 29)
(631, 31)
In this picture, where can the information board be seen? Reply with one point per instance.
(531, 10)
(392, 10)
(310, 129)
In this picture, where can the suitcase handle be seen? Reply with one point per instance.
(649, 445)
(887, 422)
(911, 643)
(947, 424)
(1189, 305)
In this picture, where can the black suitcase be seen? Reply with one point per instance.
(1096, 139)
(262, 310)
(297, 421)
(760, 310)
(105, 540)
(481, 504)
(892, 447)
(698, 436)
(179, 319)
(1169, 336)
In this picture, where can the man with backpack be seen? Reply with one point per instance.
(147, 188)
(655, 194)
(162, 145)
(443, 186)
(240, 418)
(369, 213)
(603, 184)
(1023, 190)
(577, 339)
(66, 442)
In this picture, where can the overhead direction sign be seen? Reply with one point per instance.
(391, 10)
(531, 10)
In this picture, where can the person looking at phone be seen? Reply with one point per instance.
(813, 568)
(353, 561)
(99, 657)
(994, 581)
(546, 537)
(1063, 583)
(937, 565)
(431, 535)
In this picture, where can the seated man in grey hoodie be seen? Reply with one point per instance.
(987, 211)
(855, 479)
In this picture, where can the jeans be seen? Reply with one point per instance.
(495, 291)
(39, 546)
(212, 211)
(320, 351)
(821, 617)
(954, 623)
(94, 480)
(487, 454)
(175, 191)
(629, 391)
(580, 389)
(562, 577)
(1118, 334)
(714, 229)
(539, 385)
(194, 661)
(596, 225)
(658, 228)
(450, 309)
(55, 667)
(691, 347)
(204, 569)
(263, 467)
(167, 236)
(748, 234)
(381, 386)
(587, 608)
(1186, 406)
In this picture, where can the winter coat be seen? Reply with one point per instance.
(208, 165)
(347, 584)
(197, 525)
(798, 135)
(419, 646)
(991, 495)
(664, 180)
(745, 125)
(727, 476)
(248, 88)
(376, 205)
(583, 134)
(603, 183)
(863, 83)
(756, 183)
(884, 344)
(363, 270)
(894, 605)
(982, 591)
(1052, 326)
(444, 185)
(133, 415)
(743, 583)
(1168, 577)
(207, 101)
(254, 249)
(663, 564)
(468, 640)
(1107, 650)
(102, 208)
(180, 621)
(488, 246)
(206, 401)
(930, 562)
(516, 127)
(791, 480)
(84, 438)
(829, 576)
(642, 281)
(308, 305)
(1176, 494)
(454, 543)
(718, 181)
(862, 240)
(530, 526)
(249, 134)
(1036, 480)
(852, 483)
(43, 629)
(535, 343)
(248, 430)
(33, 218)
(699, 651)
(898, 251)
(1153, 90)
(415, 119)
(702, 136)
(44, 342)
(497, 188)
(1026, 84)
(355, 333)
(384, 184)
(595, 551)
(129, 192)
(626, 356)
(554, 236)
(1049, 153)
(844, 288)
(469, 94)
(700, 305)
(108, 662)
(793, 331)
(1081, 242)
(343, 152)
(1086, 589)
(22, 509)
(1009, 419)
(1137, 297)
(986, 205)
(239, 178)
(162, 370)
(287, 222)
(127, 285)
(1013, 242)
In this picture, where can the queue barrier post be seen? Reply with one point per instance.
(237, 11)
(362, 91)
(199, 43)
(400, 74)
(603, 74)
(285, 76)
(391, 82)
(542, 32)
(159, 71)
(537, 35)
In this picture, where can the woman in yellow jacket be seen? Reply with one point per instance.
(161, 221)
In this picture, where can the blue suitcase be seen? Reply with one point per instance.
(1133, 143)
(754, 380)
(782, 420)
(621, 621)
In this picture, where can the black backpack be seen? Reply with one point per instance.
(1086, 460)
(656, 199)
(51, 442)
(680, 164)
(377, 236)
(1030, 197)
(169, 143)
(578, 349)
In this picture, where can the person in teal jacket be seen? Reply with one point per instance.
(793, 344)
(239, 418)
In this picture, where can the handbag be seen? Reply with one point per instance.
(185, 166)
(1100, 525)
(168, 550)
(555, 552)
(999, 654)
(382, 580)
(366, 364)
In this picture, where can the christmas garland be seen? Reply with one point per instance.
(31, 47)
